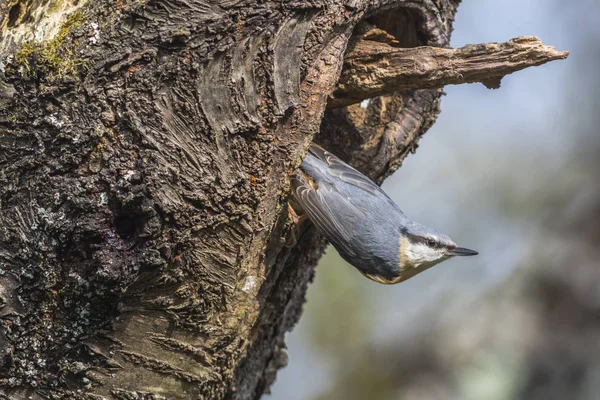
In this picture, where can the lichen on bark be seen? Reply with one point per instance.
(51, 56)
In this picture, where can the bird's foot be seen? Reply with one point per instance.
(294, 231)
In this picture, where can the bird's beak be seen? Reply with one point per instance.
(461, 251)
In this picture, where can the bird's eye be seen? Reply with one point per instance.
(431, 243)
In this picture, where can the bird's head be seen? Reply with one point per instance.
(422, 247)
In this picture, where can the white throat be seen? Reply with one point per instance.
(419, 255)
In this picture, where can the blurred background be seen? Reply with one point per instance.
(515, 174)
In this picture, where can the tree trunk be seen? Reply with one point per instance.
(145, 150)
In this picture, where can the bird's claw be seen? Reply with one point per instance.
(294, 231)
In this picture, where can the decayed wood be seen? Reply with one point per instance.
(373, 66)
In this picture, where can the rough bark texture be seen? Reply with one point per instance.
(145, 149)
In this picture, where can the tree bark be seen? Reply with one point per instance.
(145, 150)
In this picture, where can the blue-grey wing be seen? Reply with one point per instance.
(332, 213)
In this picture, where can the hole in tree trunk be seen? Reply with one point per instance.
(125, 226)
(403, 24)
(13, 15)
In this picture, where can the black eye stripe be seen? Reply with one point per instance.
(425, 241)
(418, 239)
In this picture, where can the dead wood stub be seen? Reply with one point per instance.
(373, 67)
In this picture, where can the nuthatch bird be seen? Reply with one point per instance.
(365, 226)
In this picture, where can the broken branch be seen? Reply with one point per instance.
(374, 68)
